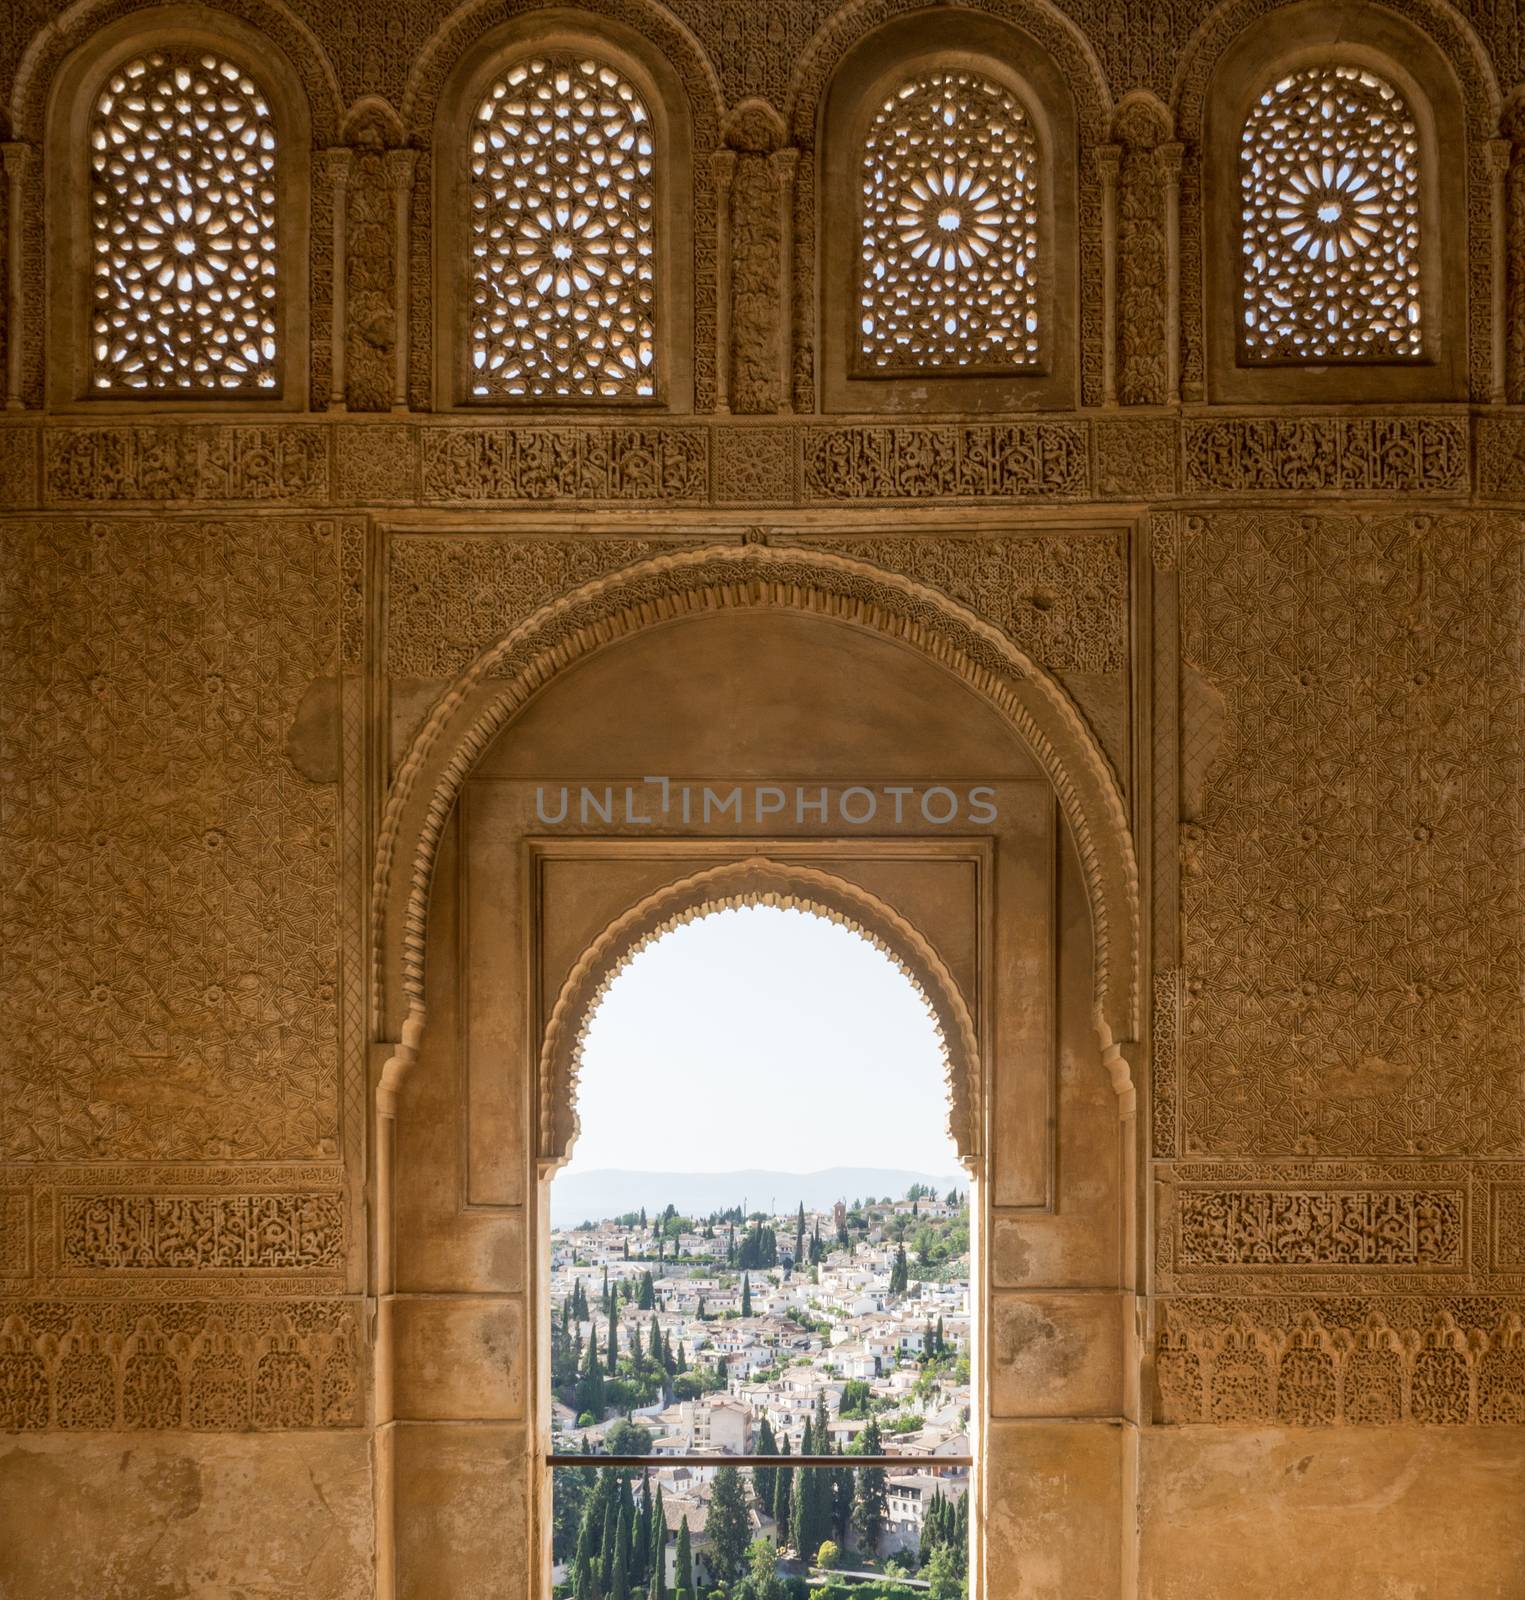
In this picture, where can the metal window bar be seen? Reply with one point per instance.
(556, 1460)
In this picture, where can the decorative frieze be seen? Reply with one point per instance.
(655, 464)
(272, 462)
(1321, 1362)
(200, 1232)
(1364, 1228)
(987, 461)
(1333, 1227)
(695, 461)
(1312, 455)
(210, 1368)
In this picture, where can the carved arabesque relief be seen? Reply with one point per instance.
(170, 935)
(218, 1368)
(755, 881)
(1325, 1362)
(475, 708)
(1366, 804)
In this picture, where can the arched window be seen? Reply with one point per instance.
(947, 221)
(1330, 186)
(563, 235)
(183, 229)
(948, 258)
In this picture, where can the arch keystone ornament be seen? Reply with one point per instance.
(483, 700)
(755, 881)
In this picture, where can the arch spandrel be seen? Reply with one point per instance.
(476, 708)
(756, 880)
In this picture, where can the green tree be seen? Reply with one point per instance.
(765, 1479)
(640, 1537)
(683, 1569)
(656, 1547)
(829, 1556)
(899, 1273)
(619, 1582)
(799, 1236)
(746, 1295)
(856, 1398)
(727, 1524)
(873, 1502)
(647, 1298)
(590, 1387)
(582, 1583)
(783, 1494)
(943, 1576)
(762, 1571)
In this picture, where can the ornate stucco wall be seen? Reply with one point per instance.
(1293, 630)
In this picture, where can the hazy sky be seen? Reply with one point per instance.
(760, 1037)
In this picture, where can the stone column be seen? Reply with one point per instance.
(722, 174)
(1500, 154)
(1168, 158)
(336, 169)
(784, 164)
(1108, 161)
(13, 157)
(400, 165)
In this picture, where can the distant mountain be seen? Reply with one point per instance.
(612, 1191)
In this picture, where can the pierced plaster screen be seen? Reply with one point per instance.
(563, 235)
(948, 257)
(1329, 182)
(183, 228)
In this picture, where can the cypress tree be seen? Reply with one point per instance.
(941, 1345)
(603, 1294)
(614, 1332)
(872, 1510)
(746, 1295)
(656, 1546)
(647, 1298)
(727, 1524)
(684, 1572)
(619, 1584)
(765, 1479)
(609, 1546)
(582, 1583)
(799, 1235)
(640, 1536)
(783, 1494)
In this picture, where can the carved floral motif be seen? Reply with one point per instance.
(229, 1367)
(1345, 1361)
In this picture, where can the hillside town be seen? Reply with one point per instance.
(841, 1333)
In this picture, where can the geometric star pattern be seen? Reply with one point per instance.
(1352, 883)
(169, 934)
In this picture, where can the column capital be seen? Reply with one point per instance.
(335, 164)
(400, 166)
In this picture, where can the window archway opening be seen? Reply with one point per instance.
(765, 1218)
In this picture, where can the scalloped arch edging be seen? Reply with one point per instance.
(483, 700)
(756, 880)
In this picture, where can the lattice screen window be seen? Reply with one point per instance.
(1329, 176)
(183, 229)
(563, 236)
(948, 258)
